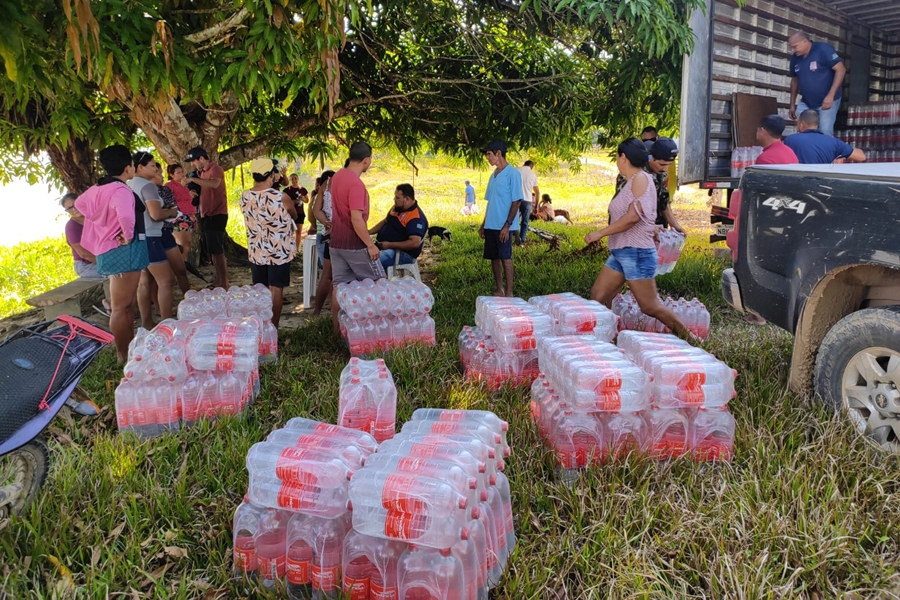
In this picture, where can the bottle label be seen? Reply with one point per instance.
(139, 417)
(288, 469)
(609, 401)
(708, 451)
(444, 427)
(692, 396)
(356, 588)
(400, 525)
(225, 348)
(298, 572)
(395, 494)
(423, 450)
(271, 568)
(383, 431)
(291, 496)
(692, 380)
(326, 579)
(452, 415)
(122, 419)
(609, 382)
(408, 464)
(378, 591)
(245, 559)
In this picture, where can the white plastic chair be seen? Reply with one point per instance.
(310, 270)
(411, 269)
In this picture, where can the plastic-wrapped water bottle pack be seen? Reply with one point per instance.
(182, 371)
(327, 516)
(690, 312)
(652, 394)
(385, 314)
(502, 347)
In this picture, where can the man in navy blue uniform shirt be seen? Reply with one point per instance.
(813, 147)
(817, 72)
(403, 230)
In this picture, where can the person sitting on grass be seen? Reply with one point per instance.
(402, 232)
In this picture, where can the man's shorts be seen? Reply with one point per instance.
(213, 230)
(124, 259)
(156, 250)
(353, 265)
(494, 249)
(633, 263)
(271, 275)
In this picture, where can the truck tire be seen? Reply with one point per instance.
(858, 371)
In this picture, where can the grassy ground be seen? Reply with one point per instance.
(806, 510)
(30, 268)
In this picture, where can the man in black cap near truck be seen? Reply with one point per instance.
(662, 153)
(213, 209)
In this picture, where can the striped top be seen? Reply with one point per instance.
(640, 235)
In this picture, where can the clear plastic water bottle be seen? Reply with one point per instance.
(348, 452)
(270, 546)
(430, 573)
(363, 440)
(245, 525)
(301, 465)
(712, 435)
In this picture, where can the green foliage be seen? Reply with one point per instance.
(32, 268)
(257, 76)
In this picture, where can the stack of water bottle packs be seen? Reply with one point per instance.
(652, 394)
(208, 367)
(502, 347)
(692, 313)
(669, 248)
(237, 303)
(385, 314)
(367, 398)
(427, 514)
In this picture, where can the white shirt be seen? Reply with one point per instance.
(529, 182)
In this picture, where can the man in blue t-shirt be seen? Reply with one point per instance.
(503, 196)
(817, 73)
(813, 147)
(402, 232)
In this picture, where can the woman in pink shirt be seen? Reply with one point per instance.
(632, 245)
(114, 233)
(182, 227)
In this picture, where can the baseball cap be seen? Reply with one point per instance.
(495, 146)
(263, 165)
(664, 149)
(195, 153)
(634, 151)
(774, 124)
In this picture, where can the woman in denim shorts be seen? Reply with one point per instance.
(631, 232)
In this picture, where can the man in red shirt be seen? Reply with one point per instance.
(213, 209)
(354, 256)
(775, 152)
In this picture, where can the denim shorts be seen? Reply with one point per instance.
(633, 263)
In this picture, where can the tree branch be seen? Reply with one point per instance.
(219, 28)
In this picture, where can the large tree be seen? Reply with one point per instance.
(244, 77)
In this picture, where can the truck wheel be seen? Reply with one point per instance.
(858, 370)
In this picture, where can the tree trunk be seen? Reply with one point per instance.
(75, 165)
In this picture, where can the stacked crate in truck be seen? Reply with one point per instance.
(744, 49)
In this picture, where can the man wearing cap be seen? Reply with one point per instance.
(813, 147)
(402, 232)
(662, 153)
(213, 209)
(768, 135)
(503, 196)
(270, 219)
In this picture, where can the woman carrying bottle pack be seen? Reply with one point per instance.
(632, 246)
